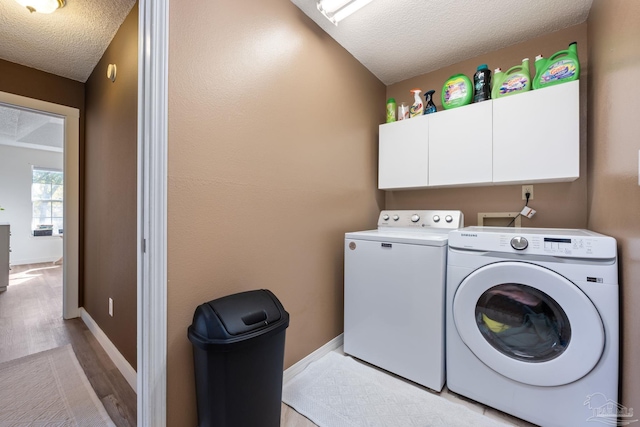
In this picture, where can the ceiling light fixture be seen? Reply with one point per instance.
(336, 10)
(42, 6)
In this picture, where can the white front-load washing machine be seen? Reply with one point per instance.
(532, 323)
(394, 284)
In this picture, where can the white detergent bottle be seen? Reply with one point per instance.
(417, 109)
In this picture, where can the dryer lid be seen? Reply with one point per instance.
(528, 323)
(414, 237)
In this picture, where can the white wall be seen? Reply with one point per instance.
(15, 198)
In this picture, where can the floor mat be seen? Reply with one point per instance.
(338, 391)
(49, 389)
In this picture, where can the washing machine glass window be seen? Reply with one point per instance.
(523, 322)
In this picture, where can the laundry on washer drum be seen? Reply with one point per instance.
(514, 324)
(493, 325)
(516, 293)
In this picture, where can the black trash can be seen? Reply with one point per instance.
(238, 352)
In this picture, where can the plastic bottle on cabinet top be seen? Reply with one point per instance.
(403, 111)
(429, 107)
(457, 91)
(391, 110)
(515, 80)
(482, 84)
(417, 109)
(563, 66)
(497, 81)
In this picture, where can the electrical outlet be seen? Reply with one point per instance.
(527, 189)
(111, 307)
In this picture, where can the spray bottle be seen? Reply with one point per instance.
(430, 107)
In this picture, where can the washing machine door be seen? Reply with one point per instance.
(528, 323)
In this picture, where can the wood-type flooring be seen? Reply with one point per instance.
(31, 322)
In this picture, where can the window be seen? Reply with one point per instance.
(47, 202)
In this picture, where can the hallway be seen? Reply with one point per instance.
(31, 322)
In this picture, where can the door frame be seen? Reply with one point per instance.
(71, 207)
(153, 50)
(151, 208)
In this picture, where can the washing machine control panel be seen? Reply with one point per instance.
(542, 245)
(423, 219)
(532, 241)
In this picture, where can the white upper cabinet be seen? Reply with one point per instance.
(526, 138)
(403, 158)
(536, 135)
(460, 146)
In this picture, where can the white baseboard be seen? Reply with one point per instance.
(116, 357)
(298, 367)
(35, 261)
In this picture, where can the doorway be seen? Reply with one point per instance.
(69, 118)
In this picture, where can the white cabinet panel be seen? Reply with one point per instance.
(525, 138)
(460, 145)
(536, 135)
(404, 154)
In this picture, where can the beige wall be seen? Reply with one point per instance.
(557, 205)
(272, 158)
(111, 191)
(614, 135)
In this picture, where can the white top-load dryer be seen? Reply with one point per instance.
(532, 323)
(394, 284)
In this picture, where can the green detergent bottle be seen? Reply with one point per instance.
(513, 81)
(561, 67)
(497, 81)
(457, 91)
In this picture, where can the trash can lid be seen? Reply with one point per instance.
(246, 311)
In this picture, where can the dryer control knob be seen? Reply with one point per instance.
(448, 218)
(415, 218)
(519, 243)
(396, 217)
(436, 218)
(385, 217)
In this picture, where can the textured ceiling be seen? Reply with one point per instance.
(400, 39)
(31, 129)
(68, 42)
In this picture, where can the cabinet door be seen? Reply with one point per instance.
(536, 136)
(403, 157)
(460, 145)
(4, 256)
